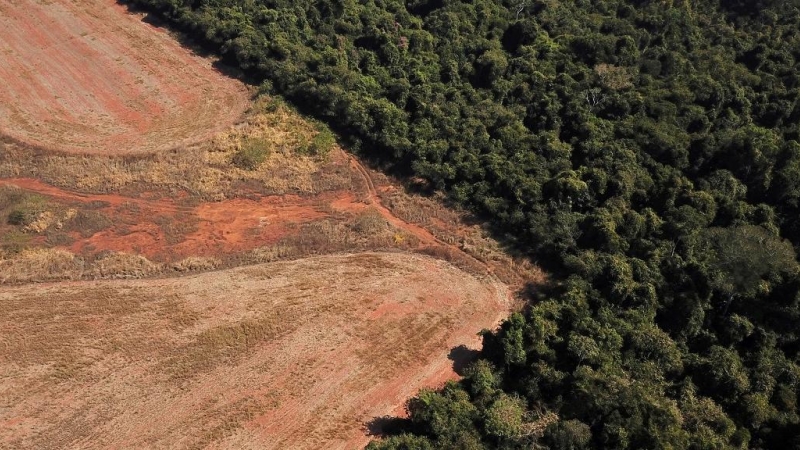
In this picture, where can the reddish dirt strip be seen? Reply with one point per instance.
(209, 229)
(87, 76)
(218, 228)
(300, 354)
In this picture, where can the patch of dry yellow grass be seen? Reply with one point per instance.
(205, 170)
(51, 264)
(40, 264)
(196, 264)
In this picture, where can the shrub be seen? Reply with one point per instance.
(320, 144)
(252, 153)
(18, 217)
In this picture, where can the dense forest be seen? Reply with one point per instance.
(645, 151)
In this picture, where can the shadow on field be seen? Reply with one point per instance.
(387, 426)
(462, 356)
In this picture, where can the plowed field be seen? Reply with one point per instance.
(370, 293)
(87, 76)
(300, 354)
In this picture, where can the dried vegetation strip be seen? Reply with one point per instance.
(206, 171)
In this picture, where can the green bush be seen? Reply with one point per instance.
(320, 144)
(252, 153)
(18, 217)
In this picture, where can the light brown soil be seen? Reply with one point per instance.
(87, 76)
(299, 354)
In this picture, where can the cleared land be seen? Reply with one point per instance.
(303, 352)
(86, 76)
(300, 354)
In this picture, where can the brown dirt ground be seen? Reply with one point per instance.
(299, 354)
(87, 76)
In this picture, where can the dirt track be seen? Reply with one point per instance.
(86, 76)
(300, 354)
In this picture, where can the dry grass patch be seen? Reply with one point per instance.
(40, 264)
(370, 222)
(85, 222)
(196, 264)
(277, 139)
(33, 265)
(122, 265)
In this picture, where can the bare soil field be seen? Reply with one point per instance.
(299, 354)
(247, 288)
(208, 347)
(87, 76)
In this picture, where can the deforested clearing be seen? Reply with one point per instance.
(88, 76)
(195, 298)
(299, 354)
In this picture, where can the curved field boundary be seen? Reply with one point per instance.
(87, 76)
(301, 354)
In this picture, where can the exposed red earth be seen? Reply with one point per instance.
(218, 228)
(210, 229)
(86, 76)
(300, 354)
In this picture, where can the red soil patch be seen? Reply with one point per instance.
(163, 230)
(166, 231)
(87, 76)
(301, 354)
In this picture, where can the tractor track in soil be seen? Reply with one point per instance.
(425, 236)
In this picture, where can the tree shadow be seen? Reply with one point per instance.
(462, 356)
(387, 426)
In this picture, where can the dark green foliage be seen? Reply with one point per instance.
(18, 217)
(252, 153)
(403, 442)
(646, 151)
(568, 435)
